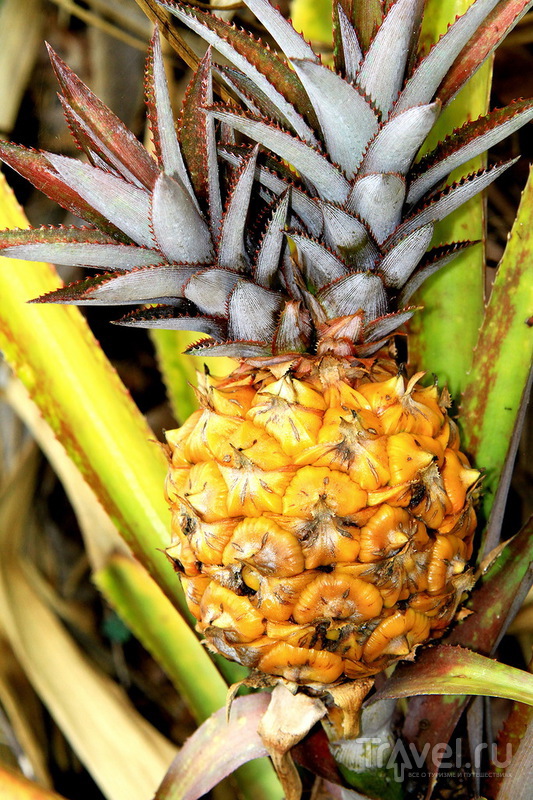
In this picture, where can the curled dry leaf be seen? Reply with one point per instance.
(216, 750)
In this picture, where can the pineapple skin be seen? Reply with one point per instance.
(322, 516)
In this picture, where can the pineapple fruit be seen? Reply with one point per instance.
(322, 510)
(322, 515)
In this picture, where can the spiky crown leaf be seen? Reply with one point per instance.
(224, 236)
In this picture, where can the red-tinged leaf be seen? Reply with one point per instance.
(109, 137)
(35, 167)
(68, 234)
(493, 533)
(514, 756)
(464, 143)
(197, 138)
(124, 204)
(238, 350)
(498, 595)
(446, 670)
(84, 142)
(495, 601)
(81, 247)
(314, 754)
(347, 53)
(164, 317)
(366, 18)
(158, 284)
(216, 750)
(490, 33)
(99, 155)
(161, 118)
(269, 71)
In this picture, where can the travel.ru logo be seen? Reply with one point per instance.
(447, 758)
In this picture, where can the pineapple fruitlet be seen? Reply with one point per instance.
(322, 510)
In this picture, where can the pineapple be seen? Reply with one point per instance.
(322, 509)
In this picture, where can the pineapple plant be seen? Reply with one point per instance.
(322, 509)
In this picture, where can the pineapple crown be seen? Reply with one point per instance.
(296, 220)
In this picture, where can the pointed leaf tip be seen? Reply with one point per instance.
(122, 151)
(161, 118)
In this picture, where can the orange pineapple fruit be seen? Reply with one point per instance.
(322, 510)
(322, 515)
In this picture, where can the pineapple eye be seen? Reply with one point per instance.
(337, 597)
(301, 665)
(396, 635)
(222, 608)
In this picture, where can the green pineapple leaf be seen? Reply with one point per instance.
(499, 377)
(447, 670)
(495, 600)
(60, 363)
(513, 756)
(151, 617)
(452, 300)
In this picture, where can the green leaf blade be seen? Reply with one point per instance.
(164, 633)
(494, 603)
(447, 670)
(443, 335)
(80, 395)
(503, 356)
